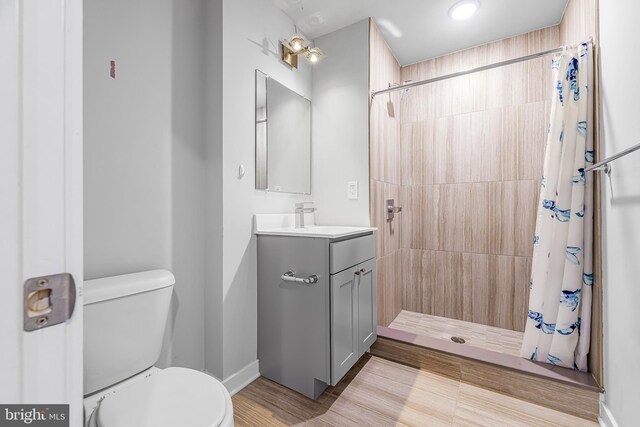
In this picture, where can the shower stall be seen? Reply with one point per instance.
(463, 157)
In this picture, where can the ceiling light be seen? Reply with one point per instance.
(464, 9)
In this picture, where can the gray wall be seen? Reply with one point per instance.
(340, 117)
(621, 226)
(144, 154)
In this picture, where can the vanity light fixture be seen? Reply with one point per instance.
(464, 9)
(297, 45)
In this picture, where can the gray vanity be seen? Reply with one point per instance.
(316, 301)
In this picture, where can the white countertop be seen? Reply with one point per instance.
(284, 225)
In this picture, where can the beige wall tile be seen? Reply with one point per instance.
(417, 152)
(451, 213)
(420, 216)
(544, 39)
(579, 22)
(501, 280)
(532, 119)
(521, 292)
(448, 294)
(486, 146)
(526, 202)
(451, 145)
(475, 278)
(452, 96)
(389, 287)
(478, 218)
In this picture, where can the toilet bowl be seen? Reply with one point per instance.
(165, 398)
(124, 327)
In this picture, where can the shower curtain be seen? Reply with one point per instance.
(559, 317)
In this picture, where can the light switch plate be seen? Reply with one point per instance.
(352, 190)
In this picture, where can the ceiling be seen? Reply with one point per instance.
(421, 29)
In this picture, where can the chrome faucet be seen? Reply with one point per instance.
(301, 209)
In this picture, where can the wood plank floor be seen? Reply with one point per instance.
(476, 335)
(377, 392)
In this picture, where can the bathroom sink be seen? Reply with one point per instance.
(284, 225)
(330, 232)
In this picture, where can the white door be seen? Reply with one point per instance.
(40, 195)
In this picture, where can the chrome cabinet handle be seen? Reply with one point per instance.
(290, 276)
(357, 273)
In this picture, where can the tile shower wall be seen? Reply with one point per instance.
(471, 155)
(384, 140)
(580, 21)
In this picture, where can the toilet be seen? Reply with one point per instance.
(124, 325)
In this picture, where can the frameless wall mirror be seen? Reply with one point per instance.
(283, 138)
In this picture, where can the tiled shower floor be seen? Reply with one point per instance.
(476, 335)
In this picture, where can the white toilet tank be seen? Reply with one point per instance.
(124, 323)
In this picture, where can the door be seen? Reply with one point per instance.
(41, 193)
(344, 328)
(366, 285)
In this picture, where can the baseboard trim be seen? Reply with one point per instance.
(242, 378)
(606, 418)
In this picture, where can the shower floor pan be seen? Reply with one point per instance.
(500, 340)
(489, 358)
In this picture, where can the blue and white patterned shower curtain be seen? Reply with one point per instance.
(559, 317)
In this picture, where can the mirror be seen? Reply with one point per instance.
(283, 138)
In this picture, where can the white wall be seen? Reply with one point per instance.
(621, 229)
(127, 137)
(251, 31)
(144, 154)
(187, 184)
(340, 126)
(213, 188)
(164, 141)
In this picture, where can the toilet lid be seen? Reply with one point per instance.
(172, 397)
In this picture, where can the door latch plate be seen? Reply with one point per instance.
(48, 300)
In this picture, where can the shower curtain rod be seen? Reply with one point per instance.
(462, 73)
(604, 164)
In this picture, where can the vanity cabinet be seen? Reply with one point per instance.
(310, 335)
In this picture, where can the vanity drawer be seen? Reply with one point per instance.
(348, 253)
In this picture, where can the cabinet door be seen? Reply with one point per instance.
(367, 323)
(344, 326)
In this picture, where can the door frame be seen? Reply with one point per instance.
(41, 189)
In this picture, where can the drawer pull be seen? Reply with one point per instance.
(290, 276)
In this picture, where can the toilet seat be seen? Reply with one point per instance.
(172, 397)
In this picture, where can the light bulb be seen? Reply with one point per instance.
(314, 54)
(464, 9)
(296, 45)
